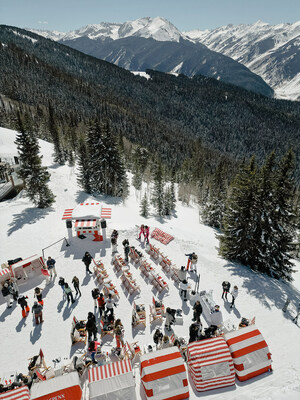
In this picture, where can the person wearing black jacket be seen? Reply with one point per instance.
(226, 288)
(95, 295)
(75, 282)
(87, 259)
(197, 311)
(24, 305)
(91, 326)
(7, 294)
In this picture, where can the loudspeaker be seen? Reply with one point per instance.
(69, 224)
(103, 224)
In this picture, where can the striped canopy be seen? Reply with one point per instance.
(21, 393)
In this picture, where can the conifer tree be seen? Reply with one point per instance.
(58, 151)
(144, 208)
(34, 175)
(236, 242)
(158, 190)
(84, 174)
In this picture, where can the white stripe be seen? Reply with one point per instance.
(253, 369)
(162, 366)
(246, 343)
(153, 384)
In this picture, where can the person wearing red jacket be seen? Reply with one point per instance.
(101, 304)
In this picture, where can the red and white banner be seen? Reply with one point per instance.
(21, 393)
(162, 236)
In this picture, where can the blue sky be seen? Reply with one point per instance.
(66, 15)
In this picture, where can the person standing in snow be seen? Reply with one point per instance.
(87, 259)
(61, 283)
(37, 309)
(91, 326)
(51, 266)
(14, 288)
(46, 274)
(6, 294)
(119, 333)
(192, 258)
(95, 295)
(110, 304)
(126, 249)
(146, 233)
(226, 288)
(38, 295)
(75, 282)
(182, 273)
(234, 295)
(197, 311)
(22, 300)
(93, 346)
(68, 292)
(183, 286)
(170, 318)
(142, 231)
(101, 304)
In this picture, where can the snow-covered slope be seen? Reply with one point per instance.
(270, 51)
(26, 230)
(157, 28)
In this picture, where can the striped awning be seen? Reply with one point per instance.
(210, 364)
(4, 271)
(85, 223)
(21, 393)
(109, 370)
(106, 212)
(68, 213)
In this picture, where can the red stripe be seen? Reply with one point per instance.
(122, 368)
(118, 367)
(160, 359)
(163, 373)
(249, 349)
(110, 370)
(243, 336)
(182, 396)
(253, 374)
(102, 372)
(114, 369)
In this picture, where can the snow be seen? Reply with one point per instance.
(141, 73)
(27, 230)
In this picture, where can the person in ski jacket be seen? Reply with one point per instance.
(37, 310)
(142, 231)
(226, 288)
(197, 311)
(234, 295)
(38, 295)
(126, 249)
(61, 283)
(146, 233)
(93, 346)
(87, 259)
(91, 326)
(14, 287)
(110, 304)
(101, 304)
(46, 274)
(22, 300)
(95, 295)
(113, 242)
(68, 292)
(182, 273)
(183, 286)
(170, 317)
(192, 257)
(6, 294)
(158, 336)
(75, 282)
(119, 333)
(51, 266)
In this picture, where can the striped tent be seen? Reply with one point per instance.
(21, 393)
(210, 364)
(163, 375)
(4, 274)
(250, 352)
(112, 381)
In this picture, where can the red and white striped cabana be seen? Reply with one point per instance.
(163, 375)
(21, 393)
(30, 265)
(249, 351)
(112, 381)
(210, 364)
(87, 218)
(4, 274)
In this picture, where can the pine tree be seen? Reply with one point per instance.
(144, 208)
(158, 190)
(84, 174)
(58, 151)
(236, 242)
(35, 176)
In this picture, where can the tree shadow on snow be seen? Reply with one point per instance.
(269, 291)
(27, 217)
(82, 197)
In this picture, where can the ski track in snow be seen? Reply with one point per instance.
(27, 230)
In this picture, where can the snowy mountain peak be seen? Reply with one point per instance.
(157, 28)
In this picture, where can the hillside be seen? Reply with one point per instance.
(166, 114)
(27, 230)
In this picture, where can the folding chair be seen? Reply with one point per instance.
(156, 313)
(109, 288)
(174, 274)
(166, 264)
(37, 364)
(78, 331)
(106, 329)
(138, 315)
(130, 351)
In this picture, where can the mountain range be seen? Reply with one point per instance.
(157, 44)
(269, 51)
